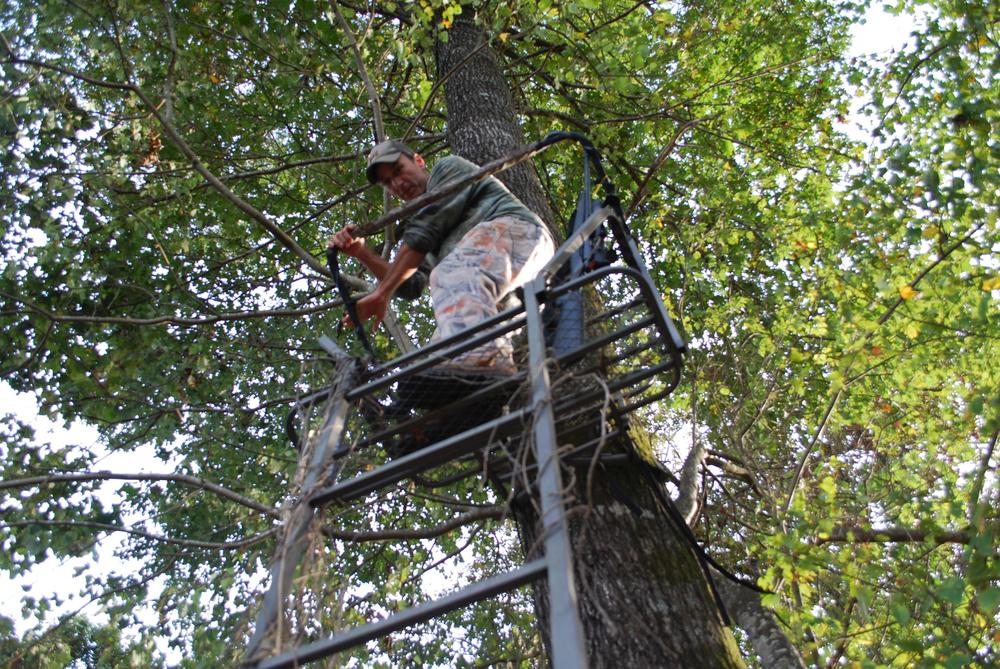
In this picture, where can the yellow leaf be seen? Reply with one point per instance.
(930, 232)
(446, 24)
(214, 78)
(504, 37)
(580, 35)
(991, 284)
(907, 292)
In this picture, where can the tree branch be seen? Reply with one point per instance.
(977, 486)
(894, 535)
(187, 543)
(640, 193)
(116, 476)
(862, 343)
(688, 485)
(101, 83)
(362, 71)
(800, 469)
(391, 322)
(170, 320)
(736, 471)
(196, 163)
(769, 640)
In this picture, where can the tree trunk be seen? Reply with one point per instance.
(482, 125)
(769, 640)
(643, 597)
(644, 600)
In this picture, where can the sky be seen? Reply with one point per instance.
(880, 34)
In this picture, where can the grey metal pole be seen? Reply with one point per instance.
(295, 537)
(566, 631)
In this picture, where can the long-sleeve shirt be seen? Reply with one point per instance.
(438, 227)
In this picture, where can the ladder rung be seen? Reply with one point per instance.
(422, 460)
(411, 616)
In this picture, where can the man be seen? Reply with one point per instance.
(481, 243)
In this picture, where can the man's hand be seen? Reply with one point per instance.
(374, 304)
(390, 276)
(345, 240)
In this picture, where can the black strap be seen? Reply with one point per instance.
(703, 557)
(350, 302)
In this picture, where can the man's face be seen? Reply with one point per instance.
(406, 178)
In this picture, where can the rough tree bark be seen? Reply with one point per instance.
(482, 124)
(644, 600)
(770, 642)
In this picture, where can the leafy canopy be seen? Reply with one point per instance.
(840, 298)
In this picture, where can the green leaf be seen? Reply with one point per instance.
(989, 600)
(951, 590)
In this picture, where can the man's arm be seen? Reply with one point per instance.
(376, 303)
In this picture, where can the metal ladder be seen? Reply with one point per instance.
(640, 324)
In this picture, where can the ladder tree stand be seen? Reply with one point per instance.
(546, 451)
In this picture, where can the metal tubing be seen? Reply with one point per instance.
(422, 460)
(639, 272)
(444, 349)
(296, 531)
(576, 456)
(615, 311)
(572, 356)
(634, 258)
(417, 421)
(412, 616)
(614, 387)
(575, 241)
(566, 633)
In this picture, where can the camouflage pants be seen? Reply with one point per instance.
(489, 262)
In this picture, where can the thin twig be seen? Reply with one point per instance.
(170, 320)
(187, 543)
(118, 476)
(640, 193)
